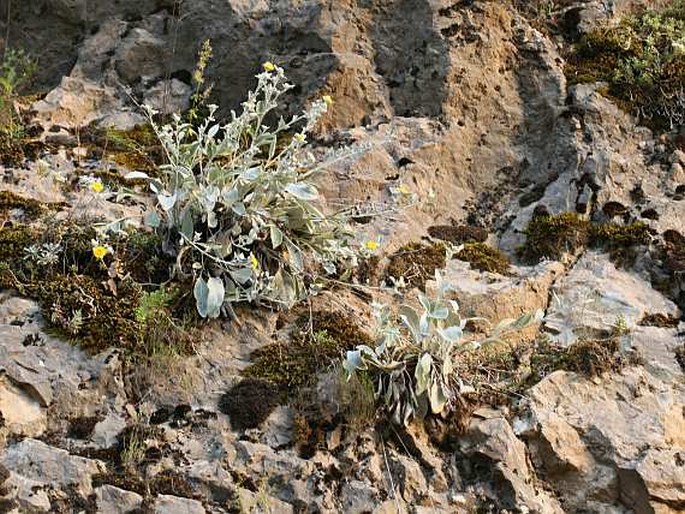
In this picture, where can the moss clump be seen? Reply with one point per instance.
(642, 61)
(312, 348)
(552, 237)
(82, 427)
(134, 149)
(416, 263)
(13, 240)
(459, 234)
(250, 402)
(81, 307)
(615, 237)
(680, 356)
(485, 258)
(10, 201)
(659, 320)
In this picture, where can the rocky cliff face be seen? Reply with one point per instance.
(466, 103)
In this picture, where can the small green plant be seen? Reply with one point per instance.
(237, 206)
(16, 71)
(413, 362)
(18, 68)
(643, 61)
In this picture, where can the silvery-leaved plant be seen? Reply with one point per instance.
(413, 359)
(237, 205)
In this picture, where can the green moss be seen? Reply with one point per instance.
(81, 307)
(459, 234)
(416, 263)
(135, 149)
(485, 258)
(552, 237)
(642, 61)
(250, 402)
(13, 240)
(312, 348)
(620, 240)
(10, 201)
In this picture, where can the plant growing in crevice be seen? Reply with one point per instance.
(238, 208)
(413, 361)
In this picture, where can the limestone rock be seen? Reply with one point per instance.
(112, 500)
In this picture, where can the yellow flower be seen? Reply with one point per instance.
(300, 137)
(269, 66)
(328, 100)
(372, 245)
(255, 262)
(404, 189)
(100, 251)
(97, 186)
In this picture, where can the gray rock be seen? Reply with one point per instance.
(112, 500)
(358, 497)
(48, 466)
(166, 504)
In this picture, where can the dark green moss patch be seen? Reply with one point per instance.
(659, 320)
(82, 427)
(485, 258)
(10, 201)
(13, 241)
(680, 356)
(312, 348)
(136, 149)
(459, 234)
(641, 62)
(552, 237)
(250, 402)
(416, 263)
(81, 307)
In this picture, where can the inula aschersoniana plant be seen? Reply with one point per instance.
(237, 205)
(413, 362)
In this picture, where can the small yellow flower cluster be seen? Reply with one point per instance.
(328, 100)
(300, 137)
(254, 261)
(100, 252)
(268, 66)
(404, 189)
(372, 245)
(97, 186)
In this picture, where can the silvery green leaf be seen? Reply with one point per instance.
(425, 302)
(302, 191)
(437, 398)
(239, 209)
(167, 202)
(410, 318)
(152, 219)
(212, 221)
(250, 174)
(451, 334)
(276, 236)
(230, 196)
(439, 312)
(135, 175)
(209, 296)
(187, 228)
(353, 362)
(447, 366)
(242, 275)
(294, 256)
(422, 373)
(213, 130)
